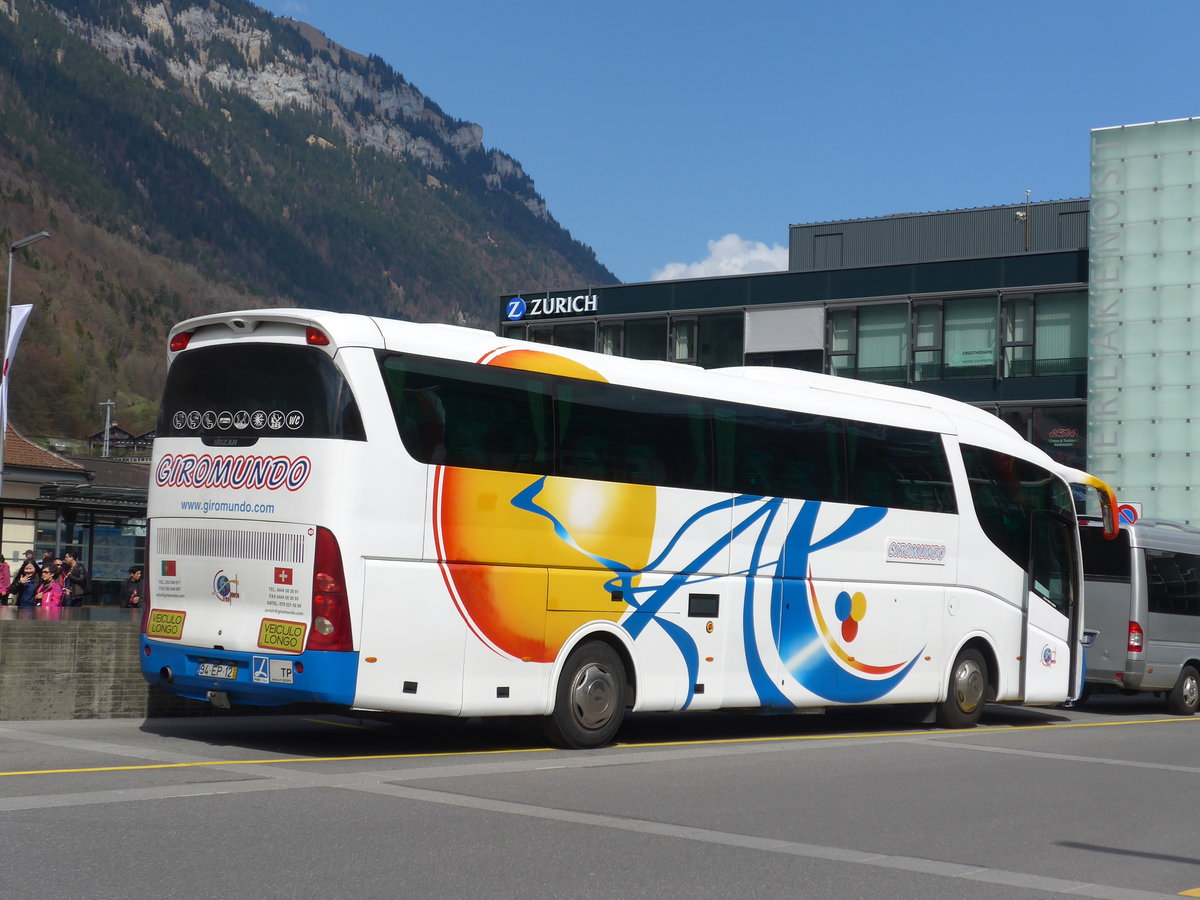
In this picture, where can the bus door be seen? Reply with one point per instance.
(1051, 655)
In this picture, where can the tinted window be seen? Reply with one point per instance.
(1105, 560)
(897, 467)
(462, 414)
(457, 414)
(617, 433)
(1172, 579)
(240, 392)
(1027, 512)
(776, 453)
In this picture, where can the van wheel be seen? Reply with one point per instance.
(968, 689)
(589, 704)
(1184, 698)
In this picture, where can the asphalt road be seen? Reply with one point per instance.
(1099, 802)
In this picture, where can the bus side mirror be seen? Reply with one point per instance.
(1105, 494)
(1108, 509)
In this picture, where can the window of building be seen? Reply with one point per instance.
(683, 340)
(807, 360)
(1018, 336)
(927, 342)
(576, 335)
(721, 340)
(969, 329)
(843, 344)
(612, 338)
(1061, 334)
(883, 342)
(646, 338)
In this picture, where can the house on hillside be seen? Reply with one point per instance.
(122, 442)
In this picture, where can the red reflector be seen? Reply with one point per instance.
(180, 341)
(1135, 638)
(316, 337)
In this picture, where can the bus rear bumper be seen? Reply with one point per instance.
(251, 679)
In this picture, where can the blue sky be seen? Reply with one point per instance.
(683, 138)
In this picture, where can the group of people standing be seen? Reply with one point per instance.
(55, 582)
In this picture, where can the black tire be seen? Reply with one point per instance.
(967, 691)
(1184, 698)
(589, 704)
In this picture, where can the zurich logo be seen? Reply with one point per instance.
(516, 309)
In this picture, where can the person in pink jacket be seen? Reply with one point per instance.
(49, 592)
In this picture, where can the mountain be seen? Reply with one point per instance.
(191, 156)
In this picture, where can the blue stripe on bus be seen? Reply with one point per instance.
(327, 676)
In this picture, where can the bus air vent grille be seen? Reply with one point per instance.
(228, 543)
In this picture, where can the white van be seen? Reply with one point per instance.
(1142, 610)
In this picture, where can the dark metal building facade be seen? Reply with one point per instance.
(985, 305)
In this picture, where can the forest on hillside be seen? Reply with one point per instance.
(168, 200)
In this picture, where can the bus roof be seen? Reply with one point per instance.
(776, 387)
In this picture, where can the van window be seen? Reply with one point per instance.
(1172, 580)
(1105, 560)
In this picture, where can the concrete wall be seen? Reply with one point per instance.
(78, 668)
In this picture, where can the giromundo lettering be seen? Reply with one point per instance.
(233, 472)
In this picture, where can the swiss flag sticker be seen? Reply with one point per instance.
(283, 576)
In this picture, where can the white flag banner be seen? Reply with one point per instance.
(16, 324)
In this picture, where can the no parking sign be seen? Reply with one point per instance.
(1128, 513)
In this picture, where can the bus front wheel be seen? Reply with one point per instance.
(589, 704)
(968, 689)
(1184, 698)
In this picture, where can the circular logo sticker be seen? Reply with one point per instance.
(241, 419)
(275, 420)
(179, 421)
(208, 419)
(193, 419)
(295, 420)
(258, 419)
(224, 420)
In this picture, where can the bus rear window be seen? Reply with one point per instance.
(236, 393)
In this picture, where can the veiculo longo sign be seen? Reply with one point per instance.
(519, 308)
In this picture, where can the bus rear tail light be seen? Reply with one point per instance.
(180, 341)
(314, 337)
(330, 604)
(1136, 638)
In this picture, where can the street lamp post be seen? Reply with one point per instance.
(12, 248)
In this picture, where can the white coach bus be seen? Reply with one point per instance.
(382, 515)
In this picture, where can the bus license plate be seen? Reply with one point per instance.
(217, 670)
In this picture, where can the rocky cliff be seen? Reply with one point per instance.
(195, 155)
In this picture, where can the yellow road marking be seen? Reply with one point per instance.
(631, 746)
(1194, 892)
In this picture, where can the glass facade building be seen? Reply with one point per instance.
(1144, 342)
(886, 300)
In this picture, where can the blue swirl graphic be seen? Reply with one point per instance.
(798, 642)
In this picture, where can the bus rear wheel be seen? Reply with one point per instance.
(1184, 698)
(964, 701)
(589, 704)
